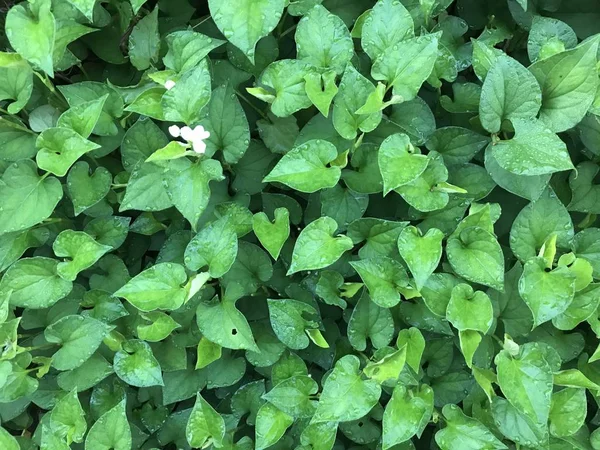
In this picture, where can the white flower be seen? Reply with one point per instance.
(169, 84)
(187, 133)
(199, 146)
(199, 135)
(194, 136)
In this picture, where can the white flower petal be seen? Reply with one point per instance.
(199, 146)
(175, 131)
(187, 133)
(203, 135)
(169, 84)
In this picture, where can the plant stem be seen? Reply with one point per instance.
(249, 103)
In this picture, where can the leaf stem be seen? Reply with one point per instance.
(289, 30)
(46, 81)
(16, 126)
(249, 103)
(281, 23)
(201, 22)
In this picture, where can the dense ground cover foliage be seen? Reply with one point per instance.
(307, 224)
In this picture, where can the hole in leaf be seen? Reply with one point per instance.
(233, 331)
(360, 424)
(547, 269)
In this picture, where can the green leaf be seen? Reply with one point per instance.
(221, 323)
(279, 133)
(140, 142)
(78, 336)
(144, 42)
(251, 268)
(569, 81)
(258, 18)
(584, 304)
(386, 25)
(407, 65)
(456, 145)
(85, 6)
(343, 205)
(16, 140)
(17, 81)
(271, 424)
(187, 186)
(379, 236)
(585, 194)
(86, 376)
(59, 148)
(82, 118)
(526, 381)
(81, 250)
(111, 430)
(158, 287)
(537, 222)
(321, 89)
(353, 94)
(568, 411)
(384, 278)
(528, 187)
(469, 309)
(8, 441)
(215, 246)
(423, 193)
(13, 245)
(534, 150)
(400, 163)
(148, 103)
(469, 343)
(187, 49)
(30, 30)
(305, 168)
(475, 255)
(369, 320)
(34, 283)
(229, 130)
(273, 235)
(87, 91)
(509, 92)
(471, 433)
(346, 396)
(16, 383)
(388, 368)
(27, 198)
(546, 293)
(285, 86)
(87, 189)
(318, 247)
(67, 418)
(160, 327)
(585, 245)
(136, 365)
(290, 319)
(204, 423)
(293, 396)
(145, 190)
(323, 40)
(184, 102)
(517, 426)
(406, 414)
(421, 253)
(546, 32)
(415, 344)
